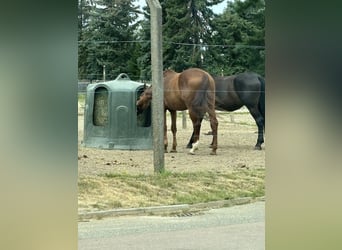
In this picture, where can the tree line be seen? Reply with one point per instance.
(115, 34)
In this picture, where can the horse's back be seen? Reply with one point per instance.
(248, 87)
(195, 79)
(183, 89)
(172, 93)
(198, 89)
(226, 96)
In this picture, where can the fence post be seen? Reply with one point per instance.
(157, 85)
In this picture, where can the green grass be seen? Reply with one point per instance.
(113, 190)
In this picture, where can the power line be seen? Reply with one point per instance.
(185, 44)
(107, 41)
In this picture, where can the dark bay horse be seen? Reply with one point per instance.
(244, 89)
(193, 90)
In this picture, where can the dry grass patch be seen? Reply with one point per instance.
(113, 190)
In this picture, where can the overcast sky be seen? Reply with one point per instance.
(218, 9)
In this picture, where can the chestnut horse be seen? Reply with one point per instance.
(193, 90)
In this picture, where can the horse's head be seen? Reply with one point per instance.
(144, 100)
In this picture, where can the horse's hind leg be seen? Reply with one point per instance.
(213, 125)
(259, 120)
(191, 141)
(174, 130)
(196, 122)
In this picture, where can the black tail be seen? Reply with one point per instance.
(262, 98)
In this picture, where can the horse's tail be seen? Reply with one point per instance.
(262, 97)
(202, 96)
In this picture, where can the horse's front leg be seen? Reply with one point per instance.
(165, 133)
(174, 130)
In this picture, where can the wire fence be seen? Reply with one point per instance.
(175, 43)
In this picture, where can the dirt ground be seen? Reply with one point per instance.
(236, 140)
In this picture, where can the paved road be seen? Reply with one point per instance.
(234, 228)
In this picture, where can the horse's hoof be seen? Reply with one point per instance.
(173, 151)
(212, 153)
(189, 146)
(257, 147)
(191, 152)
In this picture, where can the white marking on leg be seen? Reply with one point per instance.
(194, 147)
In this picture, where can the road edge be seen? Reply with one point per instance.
(167, 210)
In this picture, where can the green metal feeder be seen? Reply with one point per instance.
(110, 117)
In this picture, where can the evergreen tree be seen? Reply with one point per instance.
(85, 8)
(193, 36)
(240, 30)
(186, 31)
(144, 47)
(110, 40)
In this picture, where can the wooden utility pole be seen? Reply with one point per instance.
(157, 85)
